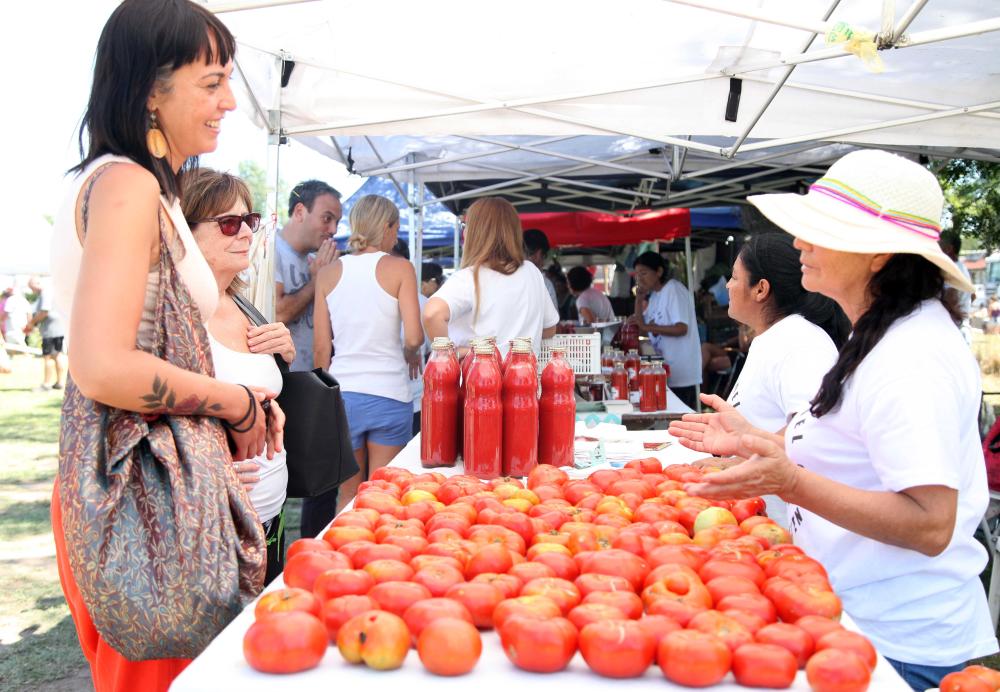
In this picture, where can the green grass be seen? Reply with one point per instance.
(38, 642)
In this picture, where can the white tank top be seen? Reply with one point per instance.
(67, 252)
(259, 370)
(367, 348)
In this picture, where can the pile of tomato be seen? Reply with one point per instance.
(623, 566)
(971, 679)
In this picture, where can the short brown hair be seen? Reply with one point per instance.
(206, 193)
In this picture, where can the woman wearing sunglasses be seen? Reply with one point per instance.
(216, 206)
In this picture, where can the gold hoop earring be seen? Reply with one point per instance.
(155, 141)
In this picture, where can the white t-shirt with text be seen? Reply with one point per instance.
(509, 306)
(907, 418)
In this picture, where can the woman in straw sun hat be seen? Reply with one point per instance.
(883, 473)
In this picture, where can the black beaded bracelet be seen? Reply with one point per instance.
(250, 414)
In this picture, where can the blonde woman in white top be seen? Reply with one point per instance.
(217, 206)
(361, 301)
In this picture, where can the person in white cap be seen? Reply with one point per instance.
(883, 473)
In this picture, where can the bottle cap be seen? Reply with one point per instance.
(441, 342)
(521, 346)
(483, 348)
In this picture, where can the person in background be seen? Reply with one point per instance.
(147, 115)
(217, 207)
(664, 310)
(313, 214)
(416, 385)
(50, 325)
(591, 305)
(17, 312)
(362, 300)
(431, 279)
(565, 301)
(883, 473)
(497, 292)
(536, 250)
(951, 245)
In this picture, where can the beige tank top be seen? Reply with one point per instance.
(67, 252)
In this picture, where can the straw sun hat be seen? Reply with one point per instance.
(870, 202)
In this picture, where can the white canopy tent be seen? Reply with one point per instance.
(588, 104)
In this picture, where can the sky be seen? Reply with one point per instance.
(49, 52)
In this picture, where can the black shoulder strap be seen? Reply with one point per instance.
(255, 316)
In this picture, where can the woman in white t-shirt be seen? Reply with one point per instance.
(664, 309)
(496, 292)
(884, 474)
(217, 208)
(797, 337)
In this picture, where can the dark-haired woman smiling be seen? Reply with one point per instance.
(884, 473)
(160, 92)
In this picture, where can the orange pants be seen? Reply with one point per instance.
(111, 671)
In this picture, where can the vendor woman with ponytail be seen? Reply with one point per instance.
(883, 472)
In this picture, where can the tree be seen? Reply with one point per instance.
(254, 175)
(972, 199)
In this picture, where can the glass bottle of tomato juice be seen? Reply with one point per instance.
(556, 412)
(439, 407)
(520, 412)
(483, 415)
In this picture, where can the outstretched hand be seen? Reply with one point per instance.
(712, 433)
(766, 471)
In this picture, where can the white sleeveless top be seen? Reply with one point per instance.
(67, 252)
(259, 370)
(367, 348)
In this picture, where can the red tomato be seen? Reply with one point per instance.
(653, 512)
(538, 607)
(793, 600)
(586, 613)
(794, 566)
(719, 568)
(378, 639)
(563, 592)
(574, 491)
(287, 642)
(449, 519)
(422, 613)
(389, 570)
(509, 585)
(562, 565)
(744, 509)
(964, 681)
(757, 604)
(692, 556)
(527, 571)
(615, 562)
(397, 596)
(625, 601)
(764, 665)
(491, 557)
(449, 646)
(730, 585)
(339, 610)
(617, 648)
(357, 517)
(413, 545)
(342, 582)
(284, 600)
(421, 561)
(588, 583)
(539, 646)
(844, 640)
(795, 639)
(751, 621)
(301, 571)
(438, 578)
(837, 671)
(680, 584)
(693, 658)
(306, 545)
(817, 625)
(678, 611)
(604, 478)
(723, 627)
(378, 551)
(988, 675)
(479, 598)
(658, 626)
(547, 474)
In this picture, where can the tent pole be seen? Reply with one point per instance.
(419, 256)
(411, 201)
(690, 283)
(748, 162)
(456, 260)
(814, 27)
(731, 151)
(907, 19)
(240, 6)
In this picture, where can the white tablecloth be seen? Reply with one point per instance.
(222, 666)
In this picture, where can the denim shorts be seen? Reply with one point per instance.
(378, 419)
(921, 677)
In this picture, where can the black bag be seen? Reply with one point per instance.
(317, 437)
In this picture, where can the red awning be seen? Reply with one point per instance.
(592, 229)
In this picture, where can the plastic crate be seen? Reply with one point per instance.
(583, 351)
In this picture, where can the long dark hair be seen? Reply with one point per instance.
(771, 257)
(143, 42)
(895, 291)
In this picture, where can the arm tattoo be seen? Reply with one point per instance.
(163, 400)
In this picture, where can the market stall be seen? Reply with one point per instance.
(222, 665)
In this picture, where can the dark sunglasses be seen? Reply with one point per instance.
(230, 223)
